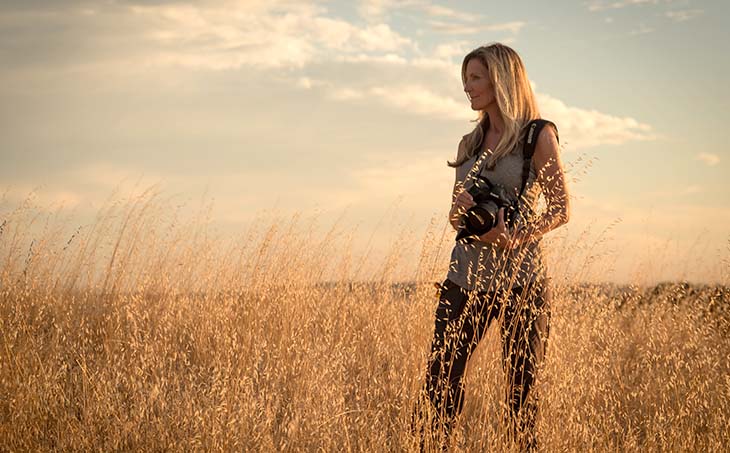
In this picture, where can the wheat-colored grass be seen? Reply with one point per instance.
(145, 331)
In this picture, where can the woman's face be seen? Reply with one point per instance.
(478, 86)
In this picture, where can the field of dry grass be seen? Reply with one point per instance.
(140, 331)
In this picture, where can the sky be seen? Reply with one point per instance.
(350, 110)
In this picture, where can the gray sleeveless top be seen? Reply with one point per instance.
(481, 266)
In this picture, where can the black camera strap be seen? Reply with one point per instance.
(528, 150)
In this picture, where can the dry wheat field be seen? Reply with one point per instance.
(142, 331)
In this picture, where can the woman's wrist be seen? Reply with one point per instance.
(454, 216)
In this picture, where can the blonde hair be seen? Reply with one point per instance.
(514, 97)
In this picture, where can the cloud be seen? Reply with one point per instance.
(449, 50)
(365, 58)
(683, 15)
(415, 99)
(642, 30)
(378, 10)
(455, 28)
(217, 37)
(709, 159)
(306, 82)
(437, 10)
(461, 22)
(421, 100)
(346, 94)
(582, 128)
(601, 5)
(375, 10)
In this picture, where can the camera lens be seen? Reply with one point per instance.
(480, 219)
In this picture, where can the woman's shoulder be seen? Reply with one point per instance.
(548, 137)
(467, 150)
(547, 146)
(548, 133)
(462, 149)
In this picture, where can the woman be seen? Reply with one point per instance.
(499, 274)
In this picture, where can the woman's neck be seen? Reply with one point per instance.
(496, 124)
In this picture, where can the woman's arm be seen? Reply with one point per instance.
(551, 177)
(454, 214)
(460, 200)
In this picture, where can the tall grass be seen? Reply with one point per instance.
(146, 330)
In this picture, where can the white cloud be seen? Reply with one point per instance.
(683, 15)
(421, 100)
(582, 128)
(709, 159)
(600, 5)
(437, 10)
(449, 50)
(455, 28)
(305, 82)
(217, 37)
(375, 38)
(378, 10)
(345, 94)
(456, 23)
(374, 11)
(642, 30)
(415, 99)
(365, 58)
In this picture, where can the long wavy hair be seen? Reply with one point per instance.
(514, 97)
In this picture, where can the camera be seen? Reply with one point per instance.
(480, 218)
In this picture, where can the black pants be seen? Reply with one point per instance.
(461, 322)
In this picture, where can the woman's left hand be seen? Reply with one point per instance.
(499, 235)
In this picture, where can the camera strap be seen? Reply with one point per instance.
(528, 150)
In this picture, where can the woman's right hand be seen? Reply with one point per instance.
(463, 201)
